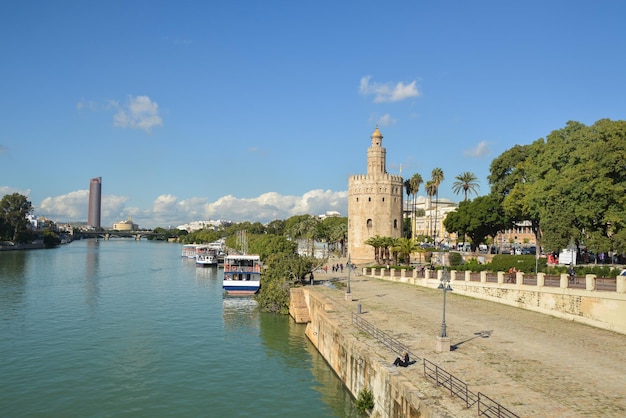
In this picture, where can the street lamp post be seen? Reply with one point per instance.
(348, 296)
(443, 341)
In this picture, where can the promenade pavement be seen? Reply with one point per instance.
(535, 365)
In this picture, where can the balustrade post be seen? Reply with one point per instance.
(590, 281)
(541, 279)
(564, 280)
(500, 277)
(468, 275)
(620, 284)
(483, 276)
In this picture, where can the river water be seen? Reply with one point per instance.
(129, 328)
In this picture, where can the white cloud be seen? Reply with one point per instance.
(69, 207)
(386, 120)
(481, 150)
(388, 92)
(73, 207)
(167, 210)
(139, 112)
(4, 190)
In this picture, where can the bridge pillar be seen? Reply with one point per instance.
(107, 236)
(137, 237)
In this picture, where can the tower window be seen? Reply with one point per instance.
(369, 223)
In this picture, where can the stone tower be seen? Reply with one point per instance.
(374, 203)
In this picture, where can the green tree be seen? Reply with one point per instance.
(405, 247)
(266, 244)
(13, 211)
(337, 228)
(431, 191)
(276, 227)
(466, 182)
(480, 218)
(416, 181)
(570, 185)
(376, 242)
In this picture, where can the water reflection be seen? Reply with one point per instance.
(295, 349)
(205, 273)
(240, 312)
(330, 387)
(12, 282)
(92, 266)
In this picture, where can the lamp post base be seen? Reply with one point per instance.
(443, 344)
(348, 297)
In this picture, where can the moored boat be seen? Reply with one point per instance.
(242, 274)
(189, 251)
(206, 256)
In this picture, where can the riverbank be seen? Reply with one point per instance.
(533, 364)
(16, 247)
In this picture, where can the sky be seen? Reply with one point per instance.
(262, 110)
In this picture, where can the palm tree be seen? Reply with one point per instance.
(388, 243)
(467, 182)
(431, 189)
(437, 177)
(409, 191)
(338, 235)
(405, 247)
(415, 181)
(377, 243)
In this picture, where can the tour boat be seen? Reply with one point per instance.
(189, 251)
(242, 274)
(206, 256)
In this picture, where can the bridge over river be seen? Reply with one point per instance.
(106, 234)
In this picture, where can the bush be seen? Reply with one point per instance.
(456, 259)
(524, 263)
(365, 401)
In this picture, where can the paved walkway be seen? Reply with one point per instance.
(533, 364)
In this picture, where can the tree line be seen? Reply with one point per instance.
(570, 186)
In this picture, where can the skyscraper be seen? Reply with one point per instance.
(95, 193)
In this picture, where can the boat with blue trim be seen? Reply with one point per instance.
(242, 274)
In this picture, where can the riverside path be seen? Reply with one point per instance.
(533, 364)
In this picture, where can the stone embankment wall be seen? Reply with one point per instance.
(360, 364)
(587, 305)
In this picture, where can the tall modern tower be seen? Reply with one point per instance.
(374, 203)
(95, 195)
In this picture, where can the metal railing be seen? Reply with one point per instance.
(456, 386)
(486, 406)
(382, 337)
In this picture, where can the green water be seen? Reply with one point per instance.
(128, 328)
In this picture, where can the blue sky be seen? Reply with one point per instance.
(261, 110)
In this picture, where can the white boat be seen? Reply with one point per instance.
(242, 274)
(189, 251)
(206, 256)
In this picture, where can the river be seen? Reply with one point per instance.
(129, 328)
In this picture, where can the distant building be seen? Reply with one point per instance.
(330, 214)
(198, 225)
(430, 224)
(374, 203)
(126, 225)
(95, 202)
